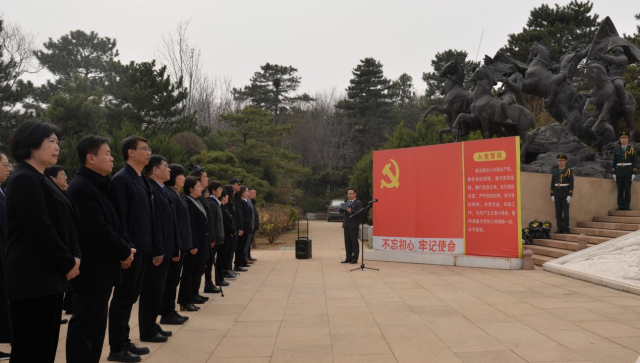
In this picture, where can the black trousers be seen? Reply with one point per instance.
(124, 296)
(240, 254)
(88, 326)
(215, 261)
(168, 305)
(191, 277)
(562, 212)
(36, 328)
(67, 305)
(624, 192)
(155, 279)
(231, 250)
(351, 244)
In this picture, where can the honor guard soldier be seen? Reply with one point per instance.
(624, 170)
(561, 193)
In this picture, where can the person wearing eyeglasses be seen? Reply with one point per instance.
(5, 318)
(135, 203)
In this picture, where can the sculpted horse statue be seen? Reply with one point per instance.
(568, 105)
(609, 106)
(488, 110)
(456, 98)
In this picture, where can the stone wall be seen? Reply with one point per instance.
(591, 196)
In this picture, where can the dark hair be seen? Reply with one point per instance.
(214, 185)
(52, 171)
(224, 194)
(230, 192)
(131, 143)
(90, 145)
(196, 170)
(29, 136)
(176, 171)
(238, 195)
(154, 162)
(250, 189)
(354, 190)
(189, 183)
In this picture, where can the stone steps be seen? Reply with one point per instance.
(548, 251)
(574, 238)
(612, 233)
(565, 245)
(625, 213)
(617, 219)
(540, 260)
(601, 229)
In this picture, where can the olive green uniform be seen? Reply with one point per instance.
(624, 166)
(561, 188)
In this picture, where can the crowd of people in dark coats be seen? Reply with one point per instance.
(149, 233)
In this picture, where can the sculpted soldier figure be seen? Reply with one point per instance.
(617, 63)
(510, 91)
(568, 65)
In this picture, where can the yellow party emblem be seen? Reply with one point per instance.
(394, 178)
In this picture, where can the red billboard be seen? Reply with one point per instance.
(459, 198)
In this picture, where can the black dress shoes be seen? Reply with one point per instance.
(353, 262)
(253, 259)
(123, 356)
(185, 318)
(209, 287)
(197, 300)
(158, 338)
(240, 269)
(171, 320)
(164, 333)
(229, 275)
(189, 307)
(202, 297)
(223, 283)
(136, 350)
(345, 261)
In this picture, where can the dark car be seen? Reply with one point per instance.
(333, 210)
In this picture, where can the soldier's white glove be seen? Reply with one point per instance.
(553, 199)
(614, 177)
(568, 199)
(633, 177)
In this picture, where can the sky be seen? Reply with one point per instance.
(324, 39)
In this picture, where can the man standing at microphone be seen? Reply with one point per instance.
(350, 226)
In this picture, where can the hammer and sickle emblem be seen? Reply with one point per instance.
(394, 178)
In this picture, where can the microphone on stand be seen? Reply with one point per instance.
(373, 201)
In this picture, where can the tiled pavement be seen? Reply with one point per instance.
(288, 310)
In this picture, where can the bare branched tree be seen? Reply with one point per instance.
(323, 137)
(16, 49)
(209, 97)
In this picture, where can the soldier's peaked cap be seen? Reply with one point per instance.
(562, 157)
(624, 134)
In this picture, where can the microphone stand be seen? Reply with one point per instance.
(360, 213)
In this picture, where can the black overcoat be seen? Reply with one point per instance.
(101, 238)
(42, 235)
(182, 217)
(135, 208)
(165, 219)
(198, 220)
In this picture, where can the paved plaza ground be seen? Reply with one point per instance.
(288, 310)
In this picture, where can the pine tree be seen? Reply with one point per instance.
(273, 89)
(556, 27)
(369, 103)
